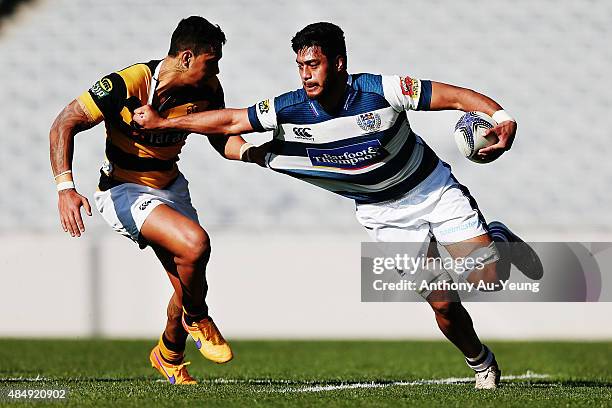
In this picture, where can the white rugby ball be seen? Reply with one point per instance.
(469, 135)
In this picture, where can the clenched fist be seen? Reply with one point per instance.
(147, 118)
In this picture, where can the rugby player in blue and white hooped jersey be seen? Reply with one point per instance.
(349, 133)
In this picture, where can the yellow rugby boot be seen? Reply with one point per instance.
(209, 340)
(175, 373)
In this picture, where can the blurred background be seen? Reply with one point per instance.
(286, 255)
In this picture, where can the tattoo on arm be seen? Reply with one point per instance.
(71, 120)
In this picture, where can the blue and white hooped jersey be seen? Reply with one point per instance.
(366, 151)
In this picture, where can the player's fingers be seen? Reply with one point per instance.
(491, 149)
(79, 221)
(86, 205)
(63, 222)
(66, 222)
(140, 110)
(137, 120)
(509, 140)
(68, 227)
(488, 132)
(73, 228)
(486, 151)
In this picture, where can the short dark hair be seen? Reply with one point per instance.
(197, 34)
(328, 36)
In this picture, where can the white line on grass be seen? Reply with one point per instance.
(373, 384)
(314, 387)
(24, 379)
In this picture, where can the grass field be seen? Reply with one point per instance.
(309, 373)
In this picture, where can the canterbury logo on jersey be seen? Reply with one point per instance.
(302, 133)
(353, 157)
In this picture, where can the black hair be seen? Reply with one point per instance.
(328, 36)
(197, 34)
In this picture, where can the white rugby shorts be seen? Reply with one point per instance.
(439, 206)
(126, 207)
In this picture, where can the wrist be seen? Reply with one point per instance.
(165, 124)
(244, 152)
(64, 181)
(502, 116)
(65, 185)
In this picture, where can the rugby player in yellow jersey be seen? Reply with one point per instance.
(141, 192)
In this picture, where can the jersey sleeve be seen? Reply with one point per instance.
(105, 98)
(262, 116)
(406, 93)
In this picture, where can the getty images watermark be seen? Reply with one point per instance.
(411, 265)
(552, 272)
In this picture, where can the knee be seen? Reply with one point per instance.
(195, 246)
(445, 309)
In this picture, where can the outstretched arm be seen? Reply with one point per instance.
(71, 120)
(444, 96)
(226, 122)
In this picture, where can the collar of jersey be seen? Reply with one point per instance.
(349, 95)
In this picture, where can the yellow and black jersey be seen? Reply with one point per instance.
(135, 156)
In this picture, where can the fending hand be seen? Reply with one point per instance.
(147, 118)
